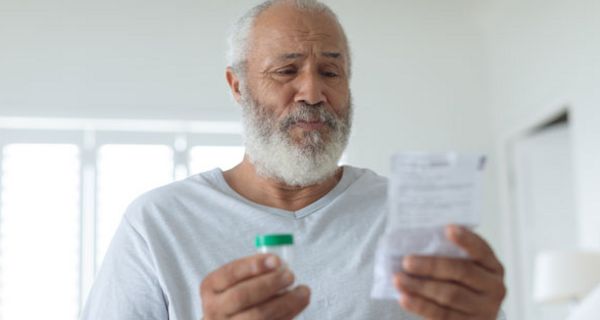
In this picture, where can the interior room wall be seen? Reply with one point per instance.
(545, 55)
(115, 59)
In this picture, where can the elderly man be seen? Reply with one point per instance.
(184, 251)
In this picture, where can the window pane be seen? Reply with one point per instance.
(124, 172)
(39, 232)
(203, 158)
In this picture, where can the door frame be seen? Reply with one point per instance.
(505, 146)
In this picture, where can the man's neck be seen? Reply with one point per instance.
(269, 192)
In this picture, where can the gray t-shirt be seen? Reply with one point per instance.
(172, 237)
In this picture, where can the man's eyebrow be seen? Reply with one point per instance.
(290, 56)
(330, 54)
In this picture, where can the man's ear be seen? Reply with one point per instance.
(234, 84)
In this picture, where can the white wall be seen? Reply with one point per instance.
(418, 80)
(115, 58)
(544, 54)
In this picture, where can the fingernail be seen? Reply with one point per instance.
(407, 281)
(396, 281)
(399, 279)
(301, 292)
(271, 262)
(408, 263)
(456, 230)
(404, 299)
(287, 277)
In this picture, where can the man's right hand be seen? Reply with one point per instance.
(252, 288)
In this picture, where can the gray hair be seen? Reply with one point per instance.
(240, 32)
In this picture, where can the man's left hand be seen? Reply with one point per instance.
(453, 288)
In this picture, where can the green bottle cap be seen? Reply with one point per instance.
(271, 240)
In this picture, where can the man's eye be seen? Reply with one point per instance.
(330, 74)
(286, 72)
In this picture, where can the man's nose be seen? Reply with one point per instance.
(310, 89)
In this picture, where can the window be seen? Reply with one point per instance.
(39, 231)
(124, 172)
(204, 158)
(64, 187)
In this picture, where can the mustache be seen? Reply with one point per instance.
(304, 112)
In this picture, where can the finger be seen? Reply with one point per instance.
(240, 270)
(254, 291)
(477, 248)
(284, 306)
(429, 309)
(447, 294)
(463, 271)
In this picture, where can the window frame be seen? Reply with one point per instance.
(89, 135)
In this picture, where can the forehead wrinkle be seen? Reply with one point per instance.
(311, 36)
(296, 55)
(277, 38)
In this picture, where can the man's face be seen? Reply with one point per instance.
(296, 58)
(295, 96)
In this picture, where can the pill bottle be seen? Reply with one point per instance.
(280, 245)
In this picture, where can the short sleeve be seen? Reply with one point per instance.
(126, 287)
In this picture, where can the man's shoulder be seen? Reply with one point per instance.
(170, 198)
(366, 181)
(365, 176)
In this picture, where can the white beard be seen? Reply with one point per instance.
(275, 154)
